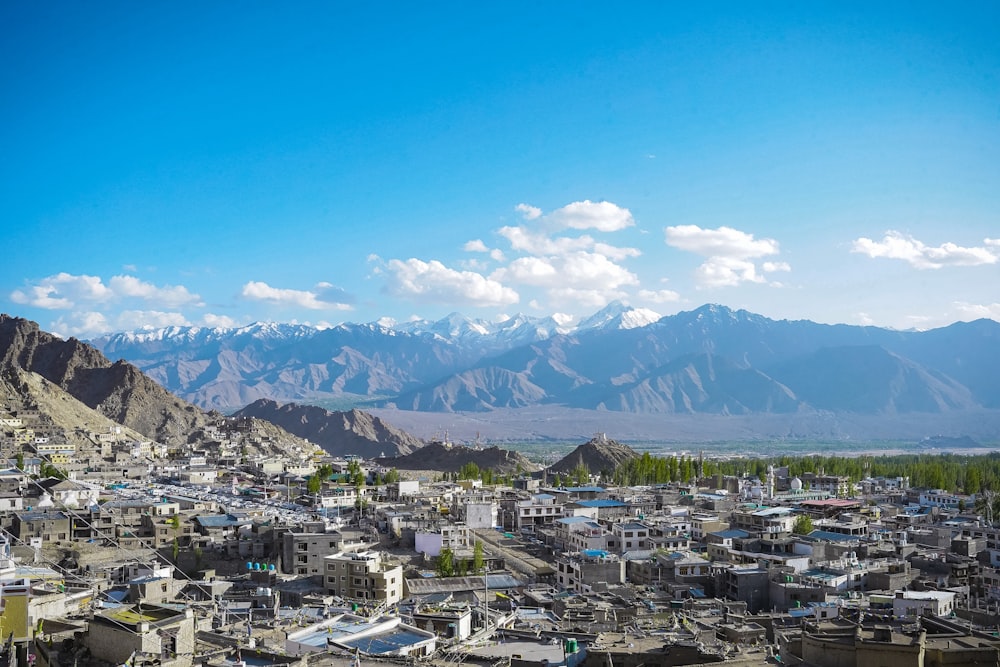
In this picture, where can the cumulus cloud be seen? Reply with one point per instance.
(721, 242)
(434, 282)
(536, 271)
(896, 245)
(528, 212)
(578, 270)
(171, 296)
(726, 272)
(475, 245)
(83, 324)
(602, 216)
(63, 291)
(540, 244)
(729, 254)
(324, 297)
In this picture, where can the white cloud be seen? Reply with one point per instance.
(130, 320)
(976, 311)
(65, 291)
(578, 270)
(170, 296)
(535, 243)
(434, 282)
(41, 296)
(475, 245)
(721, 242)
(313, 300)
(528, 271)
(538, 244)
(497, 255)
(602, 216)
(659, 296)
(864, 319)
(771, 267)
(729, 254)
(614, 252)
(726, 272)
(896, 245)
(83, 324)
(220, 321)
(528, 212)
(587, 269)
(590, 298)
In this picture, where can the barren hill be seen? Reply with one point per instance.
(445, 458)
(119, 390)
(339, 433)
(596, 455)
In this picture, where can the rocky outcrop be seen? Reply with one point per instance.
(118, 391)
(339, 433)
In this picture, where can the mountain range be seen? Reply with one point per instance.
(711, 360)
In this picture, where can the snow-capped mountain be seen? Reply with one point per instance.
(617, 315)
(712, 359)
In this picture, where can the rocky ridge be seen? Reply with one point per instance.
(451, 458)
(338, 433)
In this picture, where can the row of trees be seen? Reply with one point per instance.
(970, 474)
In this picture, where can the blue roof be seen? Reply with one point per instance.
(387, 643)
(585, 489)
(219, 520)
(595, 553)
(732, 533)
(543, 496)
(574, 519)
(605, 502)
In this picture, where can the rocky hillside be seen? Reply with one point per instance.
(596, 455)
(118, 391)
(338, 433)
(450, 458)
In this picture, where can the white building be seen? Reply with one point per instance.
(916, 603)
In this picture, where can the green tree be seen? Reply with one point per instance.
(478, 561)
(470, 471)
(314, 484)
(391, 476)
(175, 549)
(20, 461)
(803, 525)
(580, 475)
(446, 563)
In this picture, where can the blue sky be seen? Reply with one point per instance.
(224, 163)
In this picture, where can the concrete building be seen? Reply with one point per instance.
(363, 576)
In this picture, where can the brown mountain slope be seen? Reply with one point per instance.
(119, 391)
(597, 455)
(339, 433)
